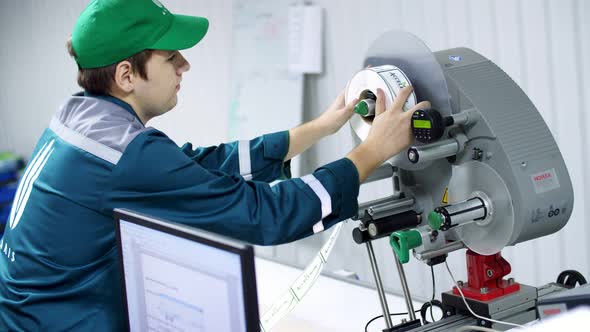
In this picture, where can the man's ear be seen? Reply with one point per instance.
(124, 77)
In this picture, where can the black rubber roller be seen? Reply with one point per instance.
(383, 227)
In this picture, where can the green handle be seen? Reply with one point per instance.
(365, 107)
(403, 241)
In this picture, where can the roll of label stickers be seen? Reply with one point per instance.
(298, 289)
(388, 78)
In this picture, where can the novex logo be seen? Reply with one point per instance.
(545, 181)
(26, 183)
(542, 177)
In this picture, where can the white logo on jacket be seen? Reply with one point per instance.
(26, 183)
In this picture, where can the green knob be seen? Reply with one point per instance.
(403, 241)
(435, 220)
(365, 107)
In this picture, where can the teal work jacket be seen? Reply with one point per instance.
(58, 261)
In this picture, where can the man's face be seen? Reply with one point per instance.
(157, 94)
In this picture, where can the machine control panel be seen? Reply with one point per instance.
(428, 125)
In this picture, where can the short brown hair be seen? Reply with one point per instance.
(99, 80)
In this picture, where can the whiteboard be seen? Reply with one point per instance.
(264, 96)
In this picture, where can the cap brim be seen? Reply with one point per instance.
(184, 32)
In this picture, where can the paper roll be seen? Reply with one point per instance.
(388, 78)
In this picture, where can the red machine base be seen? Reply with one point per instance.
(485, 277)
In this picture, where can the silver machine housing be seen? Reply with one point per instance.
(497, 164)
(506, 149)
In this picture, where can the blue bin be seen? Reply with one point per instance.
(9, 176)
(9, 166)
(4, 213)
(7, 193)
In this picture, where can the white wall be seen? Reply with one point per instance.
(38, 74)
(544, 45)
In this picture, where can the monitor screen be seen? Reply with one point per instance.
(177, 278)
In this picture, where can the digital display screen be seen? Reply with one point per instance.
(422, 124)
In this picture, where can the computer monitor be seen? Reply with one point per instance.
(176, 277)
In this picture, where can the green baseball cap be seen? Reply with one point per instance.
(109, 31)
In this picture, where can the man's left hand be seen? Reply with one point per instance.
(336, 115)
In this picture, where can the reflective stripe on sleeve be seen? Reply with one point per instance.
(323, 195)
(244, 159)
(318, 227)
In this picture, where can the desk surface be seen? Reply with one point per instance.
(331, 305)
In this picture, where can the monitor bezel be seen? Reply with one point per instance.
(245, 251)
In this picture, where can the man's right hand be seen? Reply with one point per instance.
(390, 133)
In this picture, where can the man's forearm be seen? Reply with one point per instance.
(304, 136)
(365, 160)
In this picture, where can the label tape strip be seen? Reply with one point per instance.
(299, 288)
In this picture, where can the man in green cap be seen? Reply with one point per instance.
(59, 268)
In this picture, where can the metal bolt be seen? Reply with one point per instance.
(432, 236)
(510, 281)
(523, 164)
(460, 283)
(482, 322)
(483, 290)
(404, 320)
(448, 313)
(490, 273)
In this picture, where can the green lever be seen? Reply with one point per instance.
(403, 241)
